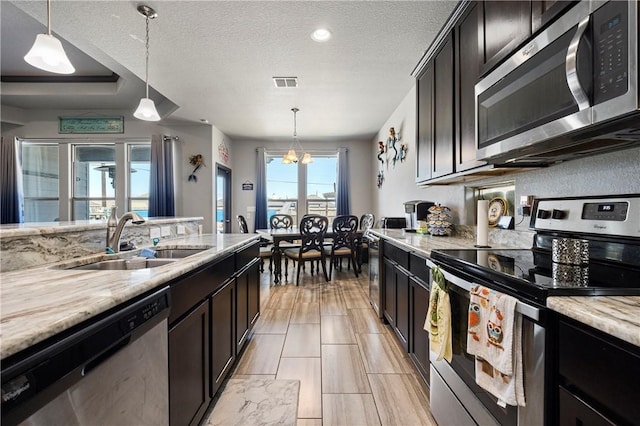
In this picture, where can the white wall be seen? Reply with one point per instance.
(244, 169)
(604, 174)
(399, 181)
(192, 198)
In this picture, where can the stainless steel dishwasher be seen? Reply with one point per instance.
(111, 371)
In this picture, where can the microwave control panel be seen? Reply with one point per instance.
(611, 50)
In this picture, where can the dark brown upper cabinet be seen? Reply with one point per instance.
(444, 109)
(435, 113)
(424, 120)
(543, 12)
(467, 74)
(505, 25)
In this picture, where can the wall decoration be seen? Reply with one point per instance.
(403, 152)
(498, 206)
(391, 144)
(91, 125)
(380, 179)
(381, 151)
(247, 186)
(197, 161)
(223, 152)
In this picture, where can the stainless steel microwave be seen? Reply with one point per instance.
(571, 91)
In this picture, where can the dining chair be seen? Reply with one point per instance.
(283, 221)
(313, 229)
(265, 249)
(362, 247)
(345, 230)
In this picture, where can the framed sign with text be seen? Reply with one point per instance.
(89, 125)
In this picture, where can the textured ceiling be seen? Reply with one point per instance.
(215, 59)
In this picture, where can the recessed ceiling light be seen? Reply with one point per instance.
(320, 35)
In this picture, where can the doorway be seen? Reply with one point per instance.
(223, 199)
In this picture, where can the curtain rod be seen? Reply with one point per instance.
(319, 150)
(76, 140)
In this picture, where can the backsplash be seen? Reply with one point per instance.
(501, 237)
(27, 247)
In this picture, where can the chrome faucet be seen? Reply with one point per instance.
(115, 227)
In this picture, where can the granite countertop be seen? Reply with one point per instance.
(618, 316)
(38, 303)
(426, 243)
(37, 228)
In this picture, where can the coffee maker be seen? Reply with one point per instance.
(414, 211)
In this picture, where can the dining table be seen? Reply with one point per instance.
(290, 235)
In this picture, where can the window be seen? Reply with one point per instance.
(298, 189)
(94, 181)
(282, 188)
(139, 159)
(40, 179)
(82, 181)
(322, 176)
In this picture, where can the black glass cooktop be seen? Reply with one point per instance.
(532, 274)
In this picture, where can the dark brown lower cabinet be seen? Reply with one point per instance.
(598, 377)
(389, 303)
(254, 294)
(222, 334)
(402, 307)
(213, 311)
(189, 393)
(419, 340)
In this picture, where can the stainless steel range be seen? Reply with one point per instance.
(583, 246)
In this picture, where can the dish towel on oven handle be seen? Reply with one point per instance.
(438, 321)
(495, 338)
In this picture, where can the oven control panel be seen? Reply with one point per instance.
(615, 215)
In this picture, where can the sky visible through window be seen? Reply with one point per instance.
(282, 179)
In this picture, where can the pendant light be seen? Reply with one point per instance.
(291, 156)
(47, 52)
(147, 108)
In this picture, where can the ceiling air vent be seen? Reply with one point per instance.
(285, 81)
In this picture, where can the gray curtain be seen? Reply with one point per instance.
(161, 191)
(261, 190)
(343, 200)
(11, 195)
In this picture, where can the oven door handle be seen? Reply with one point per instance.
(522, 308)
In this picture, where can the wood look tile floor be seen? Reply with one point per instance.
(326, 335)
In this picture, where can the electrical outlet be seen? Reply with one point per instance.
(180, 230)
(154, 232)
(165, 231)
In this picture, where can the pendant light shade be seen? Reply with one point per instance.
(147, 108)
(47, 52)
(291, 156)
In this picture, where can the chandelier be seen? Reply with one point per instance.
(291, 156)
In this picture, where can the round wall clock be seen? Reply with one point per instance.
(498, 206)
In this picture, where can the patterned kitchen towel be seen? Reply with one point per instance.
(438, 321)
(508, 388)
(479, 299)
(490, 328)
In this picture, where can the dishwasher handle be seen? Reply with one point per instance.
(521, 307)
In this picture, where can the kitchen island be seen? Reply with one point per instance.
(41, 302)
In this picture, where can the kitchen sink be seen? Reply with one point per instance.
(125, 264)
(177, 253)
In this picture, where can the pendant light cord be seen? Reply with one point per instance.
(146, 73)
(49, 17)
